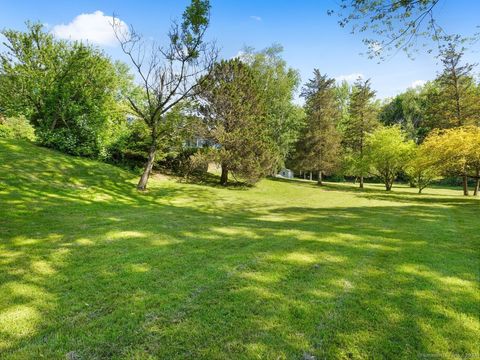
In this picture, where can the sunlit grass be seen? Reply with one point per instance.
(91, 267)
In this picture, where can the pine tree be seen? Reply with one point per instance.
(319, 145)
(453, 98)
(459, 101)
(232, 106)
(279, 83)
(362, 121)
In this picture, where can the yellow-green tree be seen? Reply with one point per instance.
(457, 152)
(421, 168)
(387, 153)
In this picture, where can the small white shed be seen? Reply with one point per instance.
(286, 173)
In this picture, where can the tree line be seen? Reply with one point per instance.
(243, 110)
(421, 134)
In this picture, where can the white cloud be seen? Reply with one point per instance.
(95, 28)
(256, 18)
(350, 78)
(417, 83)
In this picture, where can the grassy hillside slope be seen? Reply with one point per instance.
(92, 269)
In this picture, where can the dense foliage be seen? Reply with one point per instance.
(279, 84)
(232, 107)
(456, 152)
(68, 91)
(189, 109)
(318, 148)
(387, 153)
(16, 128)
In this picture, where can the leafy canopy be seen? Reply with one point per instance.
(68, 91)
(388, 152)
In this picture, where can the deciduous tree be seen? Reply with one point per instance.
(421, 168)
(67, 90)
(169, 74)
(407, 110)
(388, 152)
(394, 25)
(456, 152)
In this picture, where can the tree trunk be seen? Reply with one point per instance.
(388, 185)
(361, 181)
(420, 190)
(465, 185)
(304, 175)
(311, 178)
(477, 184)
(142, 184)
(320, 178)
(389, 182)
(224, 176)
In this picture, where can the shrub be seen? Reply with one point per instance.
(130, 148)
(16, 128)
(187, 162)
(69, 91)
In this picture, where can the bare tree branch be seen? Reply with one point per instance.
(169, 74)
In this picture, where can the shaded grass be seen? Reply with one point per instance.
(91, 267)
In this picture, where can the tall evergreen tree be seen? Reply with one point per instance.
(456, 101)
(319, 145)
(343, 92)
(361, 122)
(232, 106)
(279, 83)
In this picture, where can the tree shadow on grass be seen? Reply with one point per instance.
(129, 276)
(398, 194)
(332, 283)
(213, 180)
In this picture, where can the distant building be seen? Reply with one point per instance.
(196, 142)
(286, 173)
(199, 142)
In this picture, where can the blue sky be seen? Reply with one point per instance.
(310, 37)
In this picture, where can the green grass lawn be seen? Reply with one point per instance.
(92, 269)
